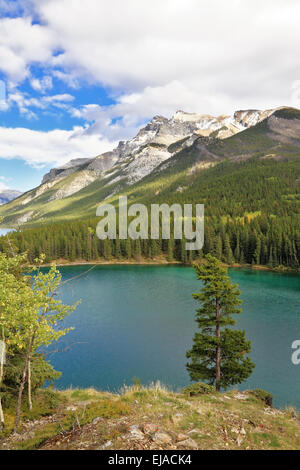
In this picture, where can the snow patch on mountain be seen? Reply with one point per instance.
(155, 143)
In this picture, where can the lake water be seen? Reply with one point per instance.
(139, 321)
(4, 231)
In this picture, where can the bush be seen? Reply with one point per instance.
(262, 395)
(199, 388)
(42, 371)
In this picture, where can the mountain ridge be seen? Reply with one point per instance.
(158, 147)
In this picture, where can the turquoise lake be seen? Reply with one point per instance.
(4, 231)
(139, 321)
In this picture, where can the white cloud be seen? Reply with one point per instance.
(68, 78)
(23, 43)
(244, 51)
(214, 49)
(53, 147)
(43, 84)
(153, 57)
(3, 185)
(123, 119)
(24, 102)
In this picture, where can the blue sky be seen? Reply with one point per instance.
(80, 76)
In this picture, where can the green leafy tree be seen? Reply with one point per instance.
(29, 315)
(13, 297)
(219, 353)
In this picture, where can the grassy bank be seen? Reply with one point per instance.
(153, 418)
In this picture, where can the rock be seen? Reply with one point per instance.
(269, 411)
(162, 438)
(193, 431)
(241, 396)
(188, 444)
(107, 444)
(136, 433)
(97, 420)
(150, 428)
(181, 437)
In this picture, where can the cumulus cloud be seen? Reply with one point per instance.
(152, 57)
(243, 51)
(123, 119)
(25, 103)
(53, 147)
(222, 49)
(23, 43)
(43, 84)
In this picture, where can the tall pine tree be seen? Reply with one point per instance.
(218, 352)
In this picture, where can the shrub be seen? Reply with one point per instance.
(262, 395)
(199, 388)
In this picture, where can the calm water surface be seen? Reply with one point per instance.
(4, 231)
(139, 321)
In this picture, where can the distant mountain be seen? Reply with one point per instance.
(8, 195)
(187, 144)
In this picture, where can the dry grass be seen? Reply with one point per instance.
(90, 419)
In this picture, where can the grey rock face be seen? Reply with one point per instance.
(155, 143)
(67, 169)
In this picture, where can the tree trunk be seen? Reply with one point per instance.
(2, 422)
(22, 385)
(218, 350)
(29, 385)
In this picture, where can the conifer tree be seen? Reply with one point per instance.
(117, 248)
(170, 256)
(218, 352)
(227, 250)
(137, 250)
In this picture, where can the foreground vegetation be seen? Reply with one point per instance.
(30, 316)
(153, 418)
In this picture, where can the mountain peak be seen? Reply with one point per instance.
(155, 148)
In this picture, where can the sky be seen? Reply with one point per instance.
(78, 76)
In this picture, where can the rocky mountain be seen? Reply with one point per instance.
(8, 195)
(86, 182)
(137, 157)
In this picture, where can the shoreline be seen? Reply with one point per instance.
(164, 262)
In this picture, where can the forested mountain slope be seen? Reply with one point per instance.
(249, 184)
(185, 143)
